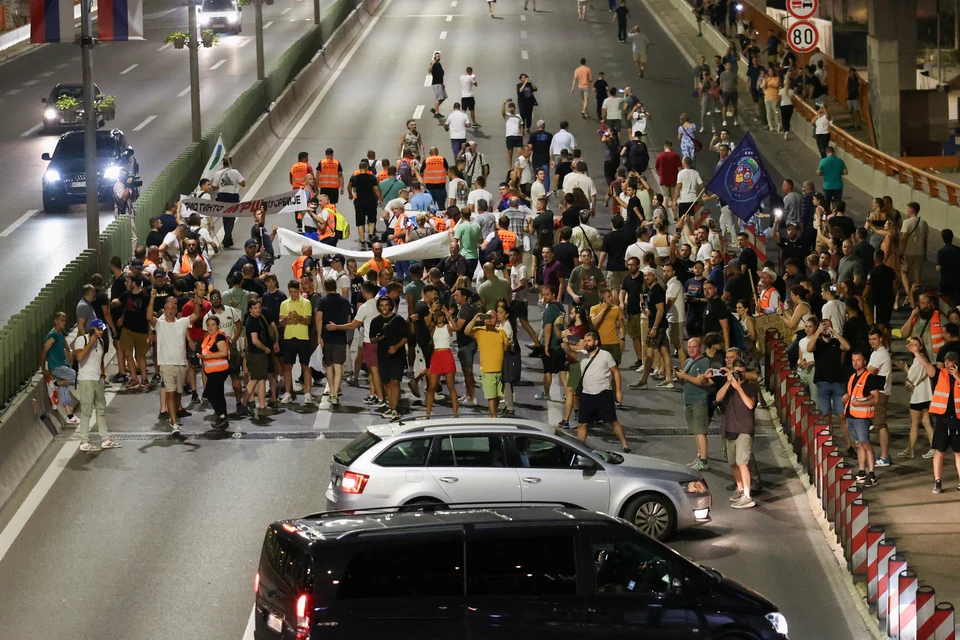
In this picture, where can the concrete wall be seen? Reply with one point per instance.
(23, 436)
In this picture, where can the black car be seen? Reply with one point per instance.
(54, 118)
(508, 572)
(64, 181)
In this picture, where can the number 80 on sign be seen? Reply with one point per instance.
(803, 36)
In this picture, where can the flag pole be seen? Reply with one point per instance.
(92, 178)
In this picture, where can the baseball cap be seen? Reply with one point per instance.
(159, 273)
(338, 257)
(136, 264)
(793, 223)
(250, 243)
(734, 263)
(97, 323)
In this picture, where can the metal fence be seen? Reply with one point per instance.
(22, 338)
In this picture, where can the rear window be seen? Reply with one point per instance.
(219, 5)
(287, 562)
(356, 448)
(405, 571)
(528, 566)
(406, 453)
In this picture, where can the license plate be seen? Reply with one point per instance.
(275, 623)
(78, 185)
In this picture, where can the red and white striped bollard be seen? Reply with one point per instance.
(907, 615)
(897, 565)
(874, 536)
(943, 618)
(926, 607)
(885, 552)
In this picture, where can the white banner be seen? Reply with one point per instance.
(431, 247)
(281, 203)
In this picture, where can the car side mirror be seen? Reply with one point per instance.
(45, 156)
(585, 463)
(128, 153)
(43, 100)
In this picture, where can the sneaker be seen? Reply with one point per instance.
(256, 413)
(221, 423)
(386, 413)
(745, 502)
(695, 462)
(414, 388)
(702, 465)
(242, 410)
(724, 123)
(637, 365)
(380, 404)
(155, 379)
(163, 415)
(195, 397)
(882, 462)
(286, 399)
(666, 384)
(183, 413)
(175, 430)
(861, 477)
(542, 396)
(370, 400)
(639, 384)
(88, 447)
(439, 397)
(928, 454)
(72, 419)
(334, 400)
(117, 378)
(737, 494)
(871, 481)
(851, 452)
(472, 402)
(563, 424)
(109, 443)
(937, 488)
(627, 450)
(906, 453)
(308, 398)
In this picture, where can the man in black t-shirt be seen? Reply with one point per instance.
(737, 287)
(542, 226)
(333, 308)
(389, 331)
(563, 167)
(716, 316)
(135, 336)
(880, 292)
(156, 235)
(631, 297)
(828, 347)
(600, 89)
(613, 252)
(570, 216)
(658, 337)
(565, 252)
(364, 190)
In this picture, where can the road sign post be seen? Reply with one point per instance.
(802, 9)
(803, 36)
(92, 177)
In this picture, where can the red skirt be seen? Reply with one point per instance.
(442, 363)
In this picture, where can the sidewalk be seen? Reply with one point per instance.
(925, 526)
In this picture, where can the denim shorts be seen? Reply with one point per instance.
(829, 398)
(859, 430)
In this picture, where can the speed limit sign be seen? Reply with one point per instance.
(803, 36)
(802, 9)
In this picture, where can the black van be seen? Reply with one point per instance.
(492, 572)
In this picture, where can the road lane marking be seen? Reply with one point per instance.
(418, 112)
(218, 65)
(129, 69)
(268, 25)
(63, 65)
(145, 122)
(523, 18)
(443, 35)
(524, 54)
(449, 18)
(285, 11)
(523, 34)
(12, 92)
(46, 74)
(428, 81)
(30, 83)
(244, 43)
(13, 227)
(453, 3)
(184, 92)
(165, 47)
(32, 130)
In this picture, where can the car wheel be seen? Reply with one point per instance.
(653, 514)
(420, 504)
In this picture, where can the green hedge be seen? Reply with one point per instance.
(21, 339)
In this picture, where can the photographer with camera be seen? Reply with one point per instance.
(125, 193)
(739, 399)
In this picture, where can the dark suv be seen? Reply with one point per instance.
(64, 181)
(505, 572)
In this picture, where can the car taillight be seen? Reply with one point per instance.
(353, 482)
(256, 584)
(303, 617)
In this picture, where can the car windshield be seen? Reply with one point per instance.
(219, 5)
(606, 456)
(71, 146)
(73, 92)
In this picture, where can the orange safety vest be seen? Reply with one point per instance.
(298, 174)
(399, 224)
(765, 298)
(147, 262)
(358, 172)
(855, 390)
(186, 266)
(328, 175)
(941, 395)
(439, 223)
(297, 266)
(216, 364)
(331, 229)
(433, 170)
(936, 333)
(373, 265)
(508, 239)
(383, 175)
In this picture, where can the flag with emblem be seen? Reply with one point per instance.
(213, 164)
(741, 180)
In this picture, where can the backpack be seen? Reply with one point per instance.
(343, 227)
(405, 172)
(639, 157)
(195, 235)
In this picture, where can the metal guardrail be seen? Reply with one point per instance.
(21, 339)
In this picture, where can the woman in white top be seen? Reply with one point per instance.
(661, 240)
(821, 130)
(806, 368)
(511, 358)
(918, 384)
(786, 108)
(442, 325)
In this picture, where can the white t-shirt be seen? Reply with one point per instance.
(227, 181)
(805, 355)
(229, 319)
(638, 250)
(171, 341)
(89, 368)
(692, 183)
(466, 86)
(613, 105)
(526, 175)
(638, 42)
(479, 194)
(537, 190)
(581, 180)
(675, 313)
(458, 122)
(786, 96)
(880, 359)
(512, 123)
(452, 187)
(705, 252)
(173, 246)
(518, 273)
(836, 313)
(597, 376)
(365, 314)
(562, 139)
(821, 125)
(639, 122)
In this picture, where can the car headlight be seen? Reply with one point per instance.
(51, 176)
(778, 621)
(203, 19)
(50, 113)
(233, 18)
(112, 173)
(697, 486)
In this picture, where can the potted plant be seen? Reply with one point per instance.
(107, 106)
(209, 38)
(178, 38)
(68, 106)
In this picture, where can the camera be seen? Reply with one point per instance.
(135, 181)
(738, 376)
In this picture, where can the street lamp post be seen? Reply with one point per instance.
(92, 178)
(258, 7)
(316, 11)
(193, 43)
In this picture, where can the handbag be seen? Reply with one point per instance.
(697, 145)
(579, 390)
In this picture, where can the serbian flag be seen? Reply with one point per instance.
(119, 20)
(741, 181)
(52, 21)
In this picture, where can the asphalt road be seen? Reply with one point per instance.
(149, 80)
(161, 539)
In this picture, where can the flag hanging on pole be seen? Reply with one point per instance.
(216, 158)
(119, 20)
(741, 181)
(52, 21)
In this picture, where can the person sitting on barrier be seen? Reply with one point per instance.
(54, 363)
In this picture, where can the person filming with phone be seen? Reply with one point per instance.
(739, 396)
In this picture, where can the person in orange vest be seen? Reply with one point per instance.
(944, 407)
(304, 262)
(330, 177)
(376, 263)
(435, 176)
(300, 170)
(930, 322)
(215, 355)
(769, 296)
(863, 393)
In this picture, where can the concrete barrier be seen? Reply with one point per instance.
(23, 435)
